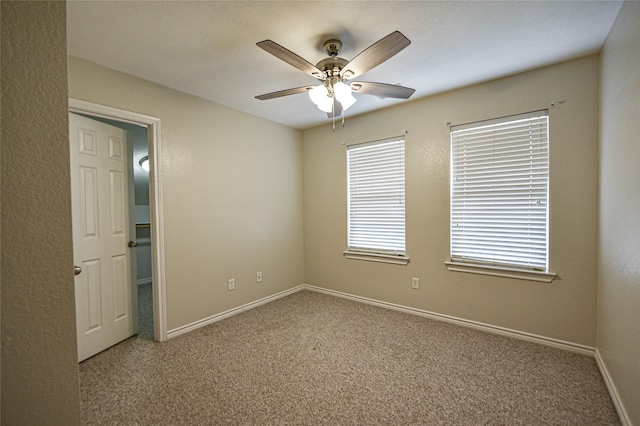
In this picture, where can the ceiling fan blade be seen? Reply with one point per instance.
(375, 54)
(282, 93)
(382, 90)
(291, 58)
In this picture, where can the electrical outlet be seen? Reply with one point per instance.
(232, 284)
(415, 283)
(258, 277)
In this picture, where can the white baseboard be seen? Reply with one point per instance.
(521, 335)
(547, 341)
(613, 391)
(231, 312)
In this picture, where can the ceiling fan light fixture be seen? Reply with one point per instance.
(343, 94)
(326, 106)
(319, 95)
(144, 163)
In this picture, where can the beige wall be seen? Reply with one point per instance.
(232, 189)
(619, 254)
(39, 357)
(564, 309)
(233, 205)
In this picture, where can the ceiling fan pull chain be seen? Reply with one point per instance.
(333, 116)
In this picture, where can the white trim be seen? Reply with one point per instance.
(231, 312)
(498, 271)
(613, 391)
(520, 335)
(389, 139)
(377, 257)
(499, 120)
(529, 337)
(103, 111)
(155, 191)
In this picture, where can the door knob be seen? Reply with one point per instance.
(133, 244)
(77, 270)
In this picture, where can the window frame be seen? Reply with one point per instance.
(474, 256)
(387, 157)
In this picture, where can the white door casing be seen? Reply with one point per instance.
(106, 297)
(154, 132)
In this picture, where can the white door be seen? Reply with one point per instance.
(106, 292)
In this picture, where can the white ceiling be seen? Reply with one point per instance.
(208, 48)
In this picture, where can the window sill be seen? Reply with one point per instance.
(377, 257)
(497, 271)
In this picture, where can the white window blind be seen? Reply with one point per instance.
(499, 192)
(376, 198)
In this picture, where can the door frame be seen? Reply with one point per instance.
(155, 200)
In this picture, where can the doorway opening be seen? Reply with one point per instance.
(148, 211)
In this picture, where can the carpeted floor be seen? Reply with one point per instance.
(145, 311)
(311, 359)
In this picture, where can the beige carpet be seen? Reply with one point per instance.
(145, 311)
(311, 359)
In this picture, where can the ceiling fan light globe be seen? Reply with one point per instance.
(326, 105)
(318, 94)
(341, 90)
(348, 102)
(343, 94)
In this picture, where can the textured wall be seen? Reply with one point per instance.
(232, 191)
(564, 309)
(39, 358)
(619, 251)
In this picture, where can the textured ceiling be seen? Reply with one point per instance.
(208, 48)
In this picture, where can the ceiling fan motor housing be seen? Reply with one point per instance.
(333, 47)
(331, 66)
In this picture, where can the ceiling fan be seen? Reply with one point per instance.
(335, 93)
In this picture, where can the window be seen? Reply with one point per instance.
(376, 201)
(499, 193)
